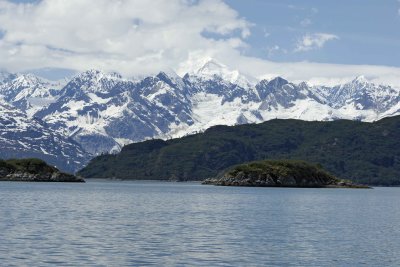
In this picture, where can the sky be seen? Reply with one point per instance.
(322, 42)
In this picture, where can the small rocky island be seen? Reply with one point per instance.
(280, 173)
(33, 170)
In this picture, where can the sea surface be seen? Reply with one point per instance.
(116, 223)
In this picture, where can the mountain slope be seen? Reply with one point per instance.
(27, 92)
(362, 152)
(104, 112)
(24, 137)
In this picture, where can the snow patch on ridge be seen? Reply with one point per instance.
(104, 111)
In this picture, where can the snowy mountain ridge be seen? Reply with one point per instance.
(101, 112)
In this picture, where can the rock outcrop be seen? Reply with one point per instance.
(283, 173)
(33, 170)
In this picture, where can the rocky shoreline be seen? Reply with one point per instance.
(251, 182)
(280, 174)
(33, 170)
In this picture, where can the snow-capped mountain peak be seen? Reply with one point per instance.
(359, 83)
(97, 75)
(361, 80)
(28, 92)
(171, 78)
(94, 81)
(211, 69)
(28, 80)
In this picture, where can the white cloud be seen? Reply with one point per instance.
(126, 35)
(319, 73)
(314, 73)
(138, 37)
(314, 41)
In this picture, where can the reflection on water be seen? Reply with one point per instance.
(174, 224)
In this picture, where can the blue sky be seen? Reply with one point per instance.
(368, 30)
(316, 41)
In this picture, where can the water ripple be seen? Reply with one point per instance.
(180, 224)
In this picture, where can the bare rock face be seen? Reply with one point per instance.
(283, 173)
(33, 170)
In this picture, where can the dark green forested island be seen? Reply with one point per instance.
(367, 153)
(280, 173)
(33, 170)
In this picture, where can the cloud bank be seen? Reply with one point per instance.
(138, 37)
(131, 36)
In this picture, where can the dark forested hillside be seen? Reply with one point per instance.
(363, 152)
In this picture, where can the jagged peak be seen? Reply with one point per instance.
(89, 74)
(210, 68)
(115, 75)
(360, 80)
(162, 76)
(275, 82)
(93, 81)
(169, 73)
(97, 75)
(278, 81)
(29, 78)
(211, 65)
(304, 84)
(171, 78)
(26, 80)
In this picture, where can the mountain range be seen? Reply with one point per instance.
(68, 122)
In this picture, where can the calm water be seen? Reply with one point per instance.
(104, 223)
